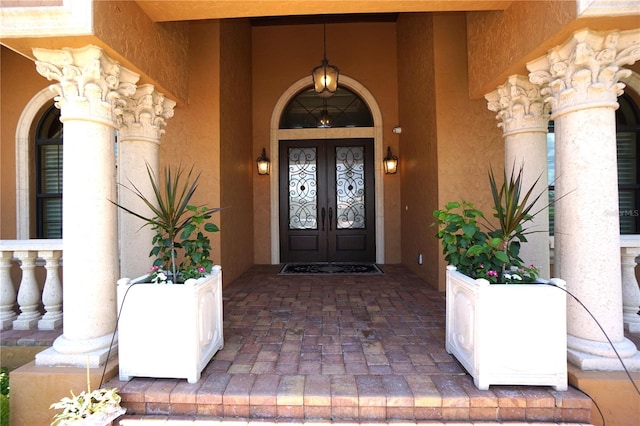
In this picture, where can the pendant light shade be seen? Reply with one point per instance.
(325, 76)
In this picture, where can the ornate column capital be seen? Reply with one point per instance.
(90, 84)
(519, 105)
(585, 71)
(143, 114)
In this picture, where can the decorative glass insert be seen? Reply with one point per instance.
(303, 188)
(343, 109)
(350, 187)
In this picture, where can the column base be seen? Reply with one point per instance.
(51, 358)
(590, 355)
(83, 353)
(589, 362)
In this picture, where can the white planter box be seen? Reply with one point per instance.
(507, 334)
(169, 330)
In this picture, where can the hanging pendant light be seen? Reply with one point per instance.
(325, 76)
(325, 118)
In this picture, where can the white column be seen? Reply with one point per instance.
(582, 78)
(139, 135)
(524, 120)
(89, 89)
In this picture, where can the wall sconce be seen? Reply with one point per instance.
(390, 163)
(264, 165)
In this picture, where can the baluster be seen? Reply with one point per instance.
(630, 290)
(28, 293)
(52, 291)
(7, 292)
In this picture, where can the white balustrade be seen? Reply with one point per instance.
(629, 252)
(7, 291)
(22, 303)
(52, 291)
(26, 298)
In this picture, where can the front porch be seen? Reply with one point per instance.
(366, 348)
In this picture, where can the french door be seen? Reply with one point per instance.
(327, 206)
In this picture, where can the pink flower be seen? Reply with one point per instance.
(155, 268)
(201, 270)
(492, 273)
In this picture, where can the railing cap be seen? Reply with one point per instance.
(35, 244)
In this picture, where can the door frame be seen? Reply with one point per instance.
(277, 134)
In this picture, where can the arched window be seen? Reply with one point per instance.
(48, 175)
(628, 149)
(343, 109)
(627, 131)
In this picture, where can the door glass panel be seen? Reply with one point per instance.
(350, 187)
(303, 188)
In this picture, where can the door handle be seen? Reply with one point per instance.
(330, 217)
(322, 213)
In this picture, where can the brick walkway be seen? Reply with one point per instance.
(339, 348)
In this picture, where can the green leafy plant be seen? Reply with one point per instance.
(100, 402)
(4, 396)
(178, 225)
(491, 254)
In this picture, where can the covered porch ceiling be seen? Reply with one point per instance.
(504, 33)
(180, 10)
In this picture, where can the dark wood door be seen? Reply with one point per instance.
(327, 206)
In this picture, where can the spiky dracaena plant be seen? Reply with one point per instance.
(175, 220)
(513, 209)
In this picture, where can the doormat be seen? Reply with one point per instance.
(330, 268)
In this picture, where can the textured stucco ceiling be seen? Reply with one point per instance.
(186, 10)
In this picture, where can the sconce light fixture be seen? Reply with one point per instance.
(325, 76)
(390, 163)
(264, 165)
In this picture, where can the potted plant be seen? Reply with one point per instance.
(92, 408)
(504, 324)
(170, 320)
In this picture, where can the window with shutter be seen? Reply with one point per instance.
(628, 150)
(48, 162)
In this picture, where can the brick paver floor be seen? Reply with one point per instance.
(359, 348)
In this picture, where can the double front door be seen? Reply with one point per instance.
(327, 208)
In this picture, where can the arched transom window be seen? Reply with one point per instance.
(343, 109)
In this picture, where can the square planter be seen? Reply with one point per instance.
(169, 330)
(507, 334)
